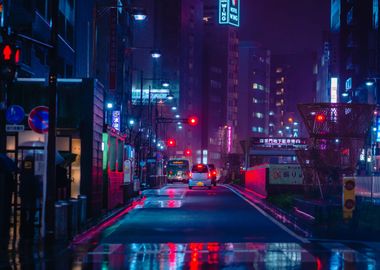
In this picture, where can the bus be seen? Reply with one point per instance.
(178, 170)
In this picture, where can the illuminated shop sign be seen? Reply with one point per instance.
(116, 120)
(334, 90)
(229, 12)
(378, 129)
(279, 142)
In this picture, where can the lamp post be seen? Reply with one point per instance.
(138, 14)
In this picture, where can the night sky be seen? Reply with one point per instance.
(288, 27)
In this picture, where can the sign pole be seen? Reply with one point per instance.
(51, 171)
(44, 185)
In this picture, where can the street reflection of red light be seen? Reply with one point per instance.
(172, 257)
(196, 246)
(319, 264)
(213, 256)
(171, 204)
(213, 247)
(171, 193)
(194, 261)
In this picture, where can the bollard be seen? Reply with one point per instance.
(82, 210)
(73, 216)
(61, 220)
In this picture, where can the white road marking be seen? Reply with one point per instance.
(279, 224)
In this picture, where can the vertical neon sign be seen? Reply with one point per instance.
(116, 120)
(378, 129)
(229, 139)
(229, 12)
(334, 90)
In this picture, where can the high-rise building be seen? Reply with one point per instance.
(174, 28)
(279, 86)
(31, 21)
(254, 89)
(353, 51)
(220, 88)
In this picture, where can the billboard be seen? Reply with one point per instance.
(229, 12)
(283, 174)
(334, 90)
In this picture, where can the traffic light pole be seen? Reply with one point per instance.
(51, 170)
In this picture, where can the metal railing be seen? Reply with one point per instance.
(368, 186)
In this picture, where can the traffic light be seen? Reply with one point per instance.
(171, 143)
(348, 199)
(192, 120)
(188, 152)
(320, 118)
(9, 58)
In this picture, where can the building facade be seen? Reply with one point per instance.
(220, 89)
(254, 90)
(353, 49)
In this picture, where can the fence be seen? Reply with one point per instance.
(368, 186)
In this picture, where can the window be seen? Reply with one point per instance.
(259, 115)
(200, 168)
(258, 86)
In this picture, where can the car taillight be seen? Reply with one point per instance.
(190, 175)
(209, 175)
(214, 172)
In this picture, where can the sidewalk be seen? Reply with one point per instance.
(40, 254)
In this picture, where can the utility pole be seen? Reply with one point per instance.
(51, 170)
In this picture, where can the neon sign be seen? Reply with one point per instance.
(229, 12)
(116, 120)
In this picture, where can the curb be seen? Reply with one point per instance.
(277, 216)
(96, 229)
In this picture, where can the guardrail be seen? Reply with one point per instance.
(368, 186)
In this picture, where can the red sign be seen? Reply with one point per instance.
(38, 119)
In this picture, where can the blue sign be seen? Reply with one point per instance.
(229, 12)
(378, 129)
(15, 114)
(116, 120)
(38, 119)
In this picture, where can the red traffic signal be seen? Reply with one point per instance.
(9, 58)
(320, 118)
(7, 52)
(188, 152)
(192, 120)
(171, 143)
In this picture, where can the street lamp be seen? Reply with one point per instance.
(165, 84)
(155, 53)
(109, 105)
(369, 83)
(170, 97)
(138, 14)
(131, 122)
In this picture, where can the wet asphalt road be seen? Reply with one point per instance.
(177, 228)
(179, 215)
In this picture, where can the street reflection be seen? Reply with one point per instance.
(214, 255)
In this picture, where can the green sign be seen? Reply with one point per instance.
(229, 12)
